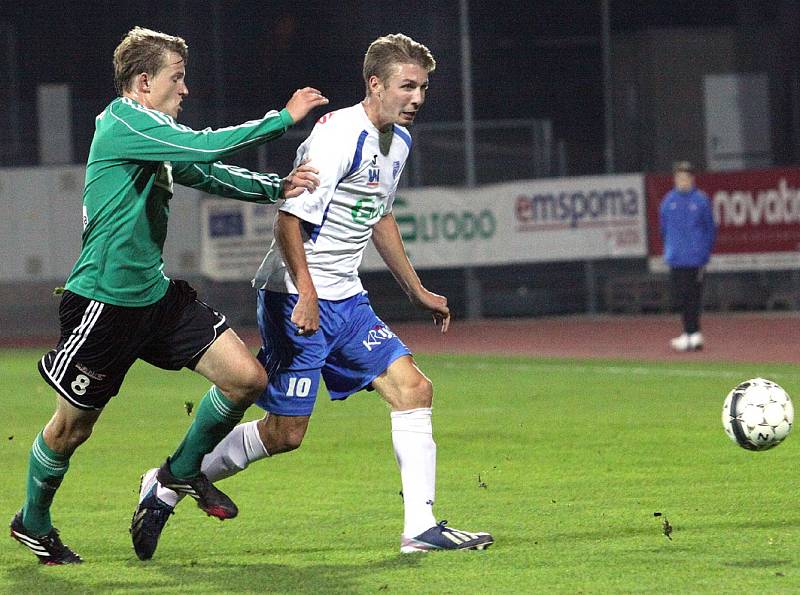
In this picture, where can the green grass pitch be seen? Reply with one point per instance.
(565, 462)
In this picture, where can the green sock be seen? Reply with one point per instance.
(46, 470)
(216, 416)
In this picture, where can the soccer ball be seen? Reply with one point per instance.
(757, 414)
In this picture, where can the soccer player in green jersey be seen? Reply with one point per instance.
(119, 306)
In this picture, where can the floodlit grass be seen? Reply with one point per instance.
(565, 462)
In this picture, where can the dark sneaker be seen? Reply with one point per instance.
(149, 518)
(209, 499)
(48, 548)
(441, 537)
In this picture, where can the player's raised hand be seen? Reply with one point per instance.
(303, 101)
(436, 304)
(301, 178)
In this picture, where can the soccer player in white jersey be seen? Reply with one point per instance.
(313, 313)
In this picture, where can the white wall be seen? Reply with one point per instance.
(40, 225)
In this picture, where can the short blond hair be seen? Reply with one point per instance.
(142, 50)
(388, 51)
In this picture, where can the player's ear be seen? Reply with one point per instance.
(376, 86)
(143, 82)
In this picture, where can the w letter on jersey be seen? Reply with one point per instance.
(374, 176)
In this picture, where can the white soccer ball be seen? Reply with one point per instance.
(757, 414)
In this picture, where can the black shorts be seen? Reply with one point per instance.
(99, 342)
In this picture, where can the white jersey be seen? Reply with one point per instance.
(357, 187)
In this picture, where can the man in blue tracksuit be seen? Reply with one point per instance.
(688, 230)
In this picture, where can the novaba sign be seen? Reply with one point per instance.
(772, 206)
(558, 210)
(454, 225)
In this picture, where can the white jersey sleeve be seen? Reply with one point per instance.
(323, 149)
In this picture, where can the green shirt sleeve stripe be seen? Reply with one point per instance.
(234, 170)
(262, 179)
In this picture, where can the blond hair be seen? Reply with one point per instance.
(388, 51)
(142, 50)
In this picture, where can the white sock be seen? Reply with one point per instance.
(234, 453)
(415, 450)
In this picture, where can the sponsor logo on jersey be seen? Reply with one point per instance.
(377, 335)
(395, 169)
(374, 174)
(366, 209)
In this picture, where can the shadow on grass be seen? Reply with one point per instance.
(685, 525)
(190, 576)
(761, 563)
(606, 532)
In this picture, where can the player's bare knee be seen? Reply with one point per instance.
(248, 385)
(416, 395)
(65, 438)
(286, 441)
(77, 438)
(282, 434)
(424, 394)
(292, 433)
(256, 382)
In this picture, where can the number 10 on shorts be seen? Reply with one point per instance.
(298, 387)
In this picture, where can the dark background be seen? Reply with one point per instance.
(535, 59)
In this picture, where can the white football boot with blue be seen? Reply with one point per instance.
(442, 537)
(150, 516)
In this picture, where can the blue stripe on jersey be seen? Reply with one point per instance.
(404, 135)
(357, 155)
(313, 230)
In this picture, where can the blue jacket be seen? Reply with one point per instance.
(687, 228)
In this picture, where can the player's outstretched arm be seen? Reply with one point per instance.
(389, 243)
(230, 181)
(303, 101)
(242, 184)
(142, 134)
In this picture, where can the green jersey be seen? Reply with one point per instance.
(136, 155)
